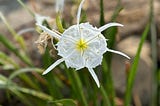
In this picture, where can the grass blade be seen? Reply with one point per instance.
(133, 70)
(3, 85)
(105, 96)
(25, 7)
(5, 60)
(24, 70)
(13, 49)
(63, 102)
(18, 38)
(32, 92)
(155, 85)
(77, 86)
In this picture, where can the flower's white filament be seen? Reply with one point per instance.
(50, 32)
(94, 76)
(102, 28)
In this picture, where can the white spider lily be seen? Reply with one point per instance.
(82, 45)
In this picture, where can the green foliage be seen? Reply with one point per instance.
(133, 70)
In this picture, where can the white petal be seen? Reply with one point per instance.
(39, 19)
(59, 5)
(118, 52)
(53, 66)
(50, 32)
(94, 76)
(102, 28)
(79, 11)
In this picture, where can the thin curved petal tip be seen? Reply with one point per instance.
(94, 76)
(79, 11)
(118, 52)
(50, 32)
(102, 28)
(53, 66)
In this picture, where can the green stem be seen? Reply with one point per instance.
(102, 21)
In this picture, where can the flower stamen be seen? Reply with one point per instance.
(81, 45)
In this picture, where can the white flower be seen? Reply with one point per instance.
(82, 45)
(39, 19)
(59, 5)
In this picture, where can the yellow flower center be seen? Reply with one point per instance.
(81, 45)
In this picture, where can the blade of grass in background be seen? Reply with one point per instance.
(27, 9)
(21, 55)
(117, 10)
(18, 38)
(23, 70)
(77, 86)
(105, 96)
(62, 102)
(50, 77)
(155, 92)
(7, 43)
(12, 86)
(133, 70)
(5, 61)
(110, 34)
(3, 85)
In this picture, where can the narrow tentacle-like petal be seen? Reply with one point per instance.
(39, 19)
(50, 32)
(118, 52)
(79, 11)
(102, 28)
(94, 76)
(53, 66)
(59, 5)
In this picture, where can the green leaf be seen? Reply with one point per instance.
(116, 11)
(76, 86)
(25, 7)
(3, 85)
(21, 74)
(59, 23)
(105, 96)
(63, 102)
(7, 43)
(133, 70)
(24, 70)
(18, 38)
(35, 93)
(7, 61)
